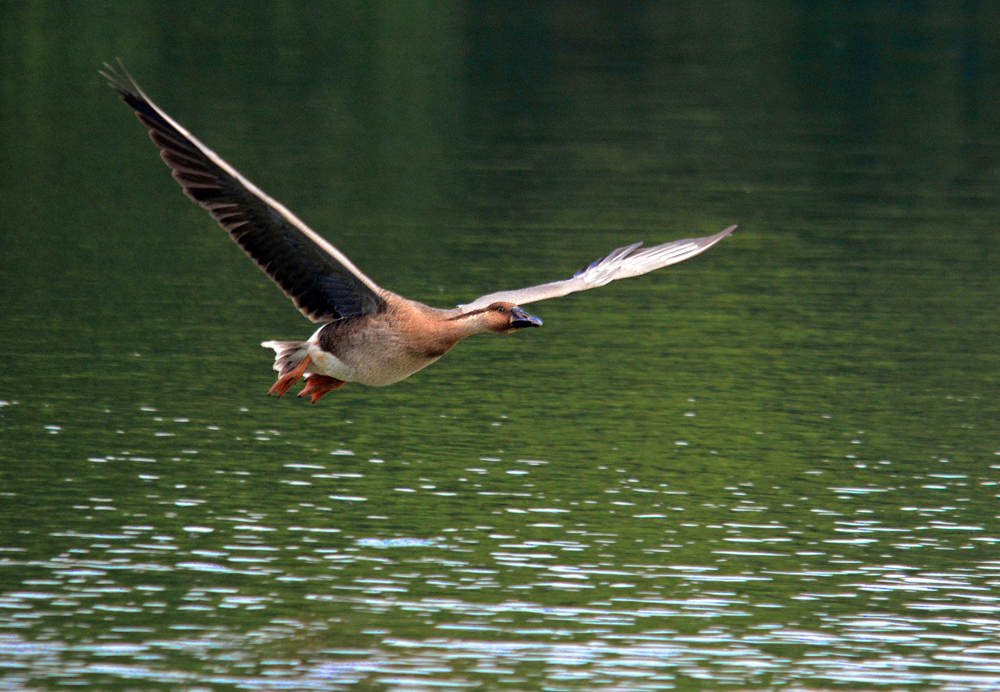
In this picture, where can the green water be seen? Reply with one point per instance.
(772, 466)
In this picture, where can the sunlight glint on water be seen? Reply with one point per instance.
(775, 466)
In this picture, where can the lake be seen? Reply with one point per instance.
(774, 466)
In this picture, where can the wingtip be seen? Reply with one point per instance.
(713, 239)
(110, 72)
(120, 79)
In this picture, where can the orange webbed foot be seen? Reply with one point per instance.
(320, 385)
(286, 381)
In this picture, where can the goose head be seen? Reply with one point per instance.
(501, 318)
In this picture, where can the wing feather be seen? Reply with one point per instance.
(623, 263)
(323, 283)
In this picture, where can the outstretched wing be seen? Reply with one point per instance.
(621, 264)
(318, 277)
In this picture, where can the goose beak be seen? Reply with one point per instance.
(520, 319)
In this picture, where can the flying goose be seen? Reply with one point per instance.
(369, 335)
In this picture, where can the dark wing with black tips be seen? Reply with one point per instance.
(324, 284)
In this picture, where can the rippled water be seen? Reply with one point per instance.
(192, 557)
(772, 467)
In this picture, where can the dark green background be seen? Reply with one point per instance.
(773, 466)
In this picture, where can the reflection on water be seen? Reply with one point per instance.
(308, 583)
(775, 466)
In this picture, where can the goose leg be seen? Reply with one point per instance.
(320, 385)
(286, 381)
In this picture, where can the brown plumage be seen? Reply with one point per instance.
(371, 335)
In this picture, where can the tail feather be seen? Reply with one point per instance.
(288, 355)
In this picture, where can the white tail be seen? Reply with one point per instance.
(287, 354)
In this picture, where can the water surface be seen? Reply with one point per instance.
(774, 466)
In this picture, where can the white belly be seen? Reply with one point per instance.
(374, 369)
